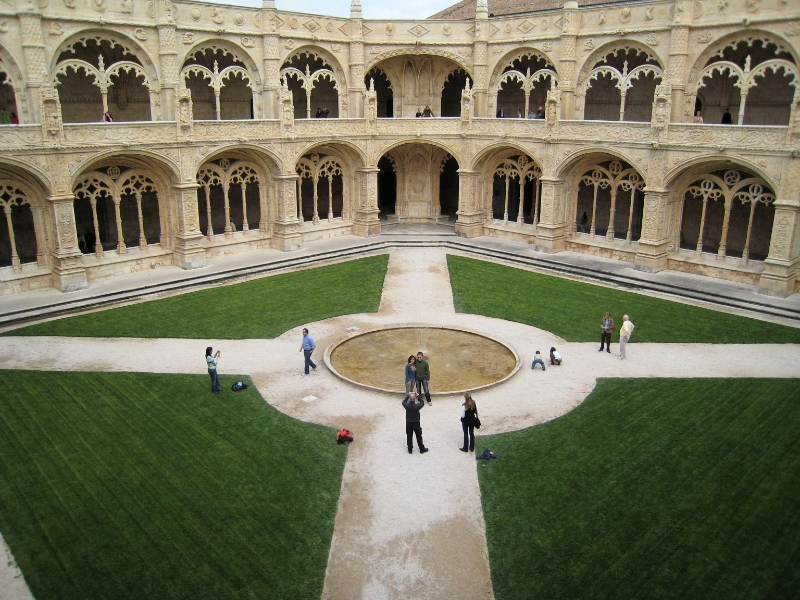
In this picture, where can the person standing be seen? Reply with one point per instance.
(427, 112)
(307, 348)
(107, 117)
(14, 119)
(606, 327)
(501, 113)
(423, 376)
(727, 119)
(537, 358)
(469, 417)
(584, 223)
(540, 112)
(211, 362)
(624, 335)
(413, 426)
(411, 373)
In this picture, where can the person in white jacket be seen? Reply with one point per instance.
(624, 335)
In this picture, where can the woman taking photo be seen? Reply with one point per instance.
(211, 361)
(469, 420)
(411, 374)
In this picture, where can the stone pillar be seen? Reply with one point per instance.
(272, 67)
(652, 254)
(480, 57)
(678, 55)
(355, 91)
(286, 233)
(566, 64)
(33, 49)
(469, 221)
(365, 215)
(780, 272)
(69, 273)
(551, 232)
(188, 250)
(170, 70)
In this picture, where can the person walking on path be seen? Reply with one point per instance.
(211, 362)
(537, 358)
(413, 426)
(411, 373)
(624, 335)
(606, 327)
(423, 376)
(469, 417)
(307, 348)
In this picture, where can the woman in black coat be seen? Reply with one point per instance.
(469, 418)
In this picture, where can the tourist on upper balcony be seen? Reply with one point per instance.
(501, 113)
(6, 117)
(540, 112)
(531, 114)
(726, 118)
(427, 112)
(325, 112)
(319, 114)
(107, 117)
(14, 119)
(519, 114)
(419, 112)
(698, 118)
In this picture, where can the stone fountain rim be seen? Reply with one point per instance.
(341, 340)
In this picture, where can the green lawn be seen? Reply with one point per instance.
(128, 485)
(652, 488)
(261, 308)
(573, 310)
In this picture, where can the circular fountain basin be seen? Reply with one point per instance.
(460, 360)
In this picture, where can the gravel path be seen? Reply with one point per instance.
(407, 526)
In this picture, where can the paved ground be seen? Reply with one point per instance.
(407, 526)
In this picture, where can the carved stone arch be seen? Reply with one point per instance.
(116, 38)
(597, 56)
(126, 179)
(326, 56)
(568, 167)
(14, 78)
(265, 159)
(32, 176)
(157, 165)
(352, 155)
(488, 158)
(239, 54)
(508, 59)
(676, 178)
(10, 65)
(421, 51)
(390, 74)
(31, 196)
(378, 153)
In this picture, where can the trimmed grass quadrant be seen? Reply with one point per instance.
(652, 488)
(573, 309)
(260, 308)
(130, 485)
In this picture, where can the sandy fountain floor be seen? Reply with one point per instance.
(408, 526)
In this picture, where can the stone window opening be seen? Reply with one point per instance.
(387, 186)
(598, 196)
(313, 84)
(728, 213)
(95, 76)
(8, 96)
(221, 86)
(523, 86)
(511, 192)
(321, 184)
(748, 82)
(230, 198)
(620, 87)
(117, 208)
(383, 90)
(452, 87)
(20, 238)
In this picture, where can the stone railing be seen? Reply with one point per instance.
(240, 130)
(119, 133)
(601, 131)
(750, 136)
(14, 136)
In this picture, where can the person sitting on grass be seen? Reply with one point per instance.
(555, 357)
(537, 358)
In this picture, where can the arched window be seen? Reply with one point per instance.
(512, 192)
(221, 85)
(522, 87)
(314, 86)
(621, 86)
(748, 82)
(609, 201)
(95, 76)
(321, 184)
(454, 83)
(383, 90)
(730, 213)
(229, 197)
(19, 239)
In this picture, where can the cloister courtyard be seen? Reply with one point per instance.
(674, 473)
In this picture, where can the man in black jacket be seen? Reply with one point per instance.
(412, 421)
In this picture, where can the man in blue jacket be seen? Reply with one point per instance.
(412, 421)
(307, 348)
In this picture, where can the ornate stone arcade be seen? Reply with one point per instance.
(665, 133)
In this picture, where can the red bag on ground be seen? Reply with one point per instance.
(344, 435)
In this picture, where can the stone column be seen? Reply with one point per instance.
(566, 64)
(286, 232)
(188, 251)
(678, 55)
(69, 273)
(469, 221)
(33, 48)
(365, 215)
(780, 272)
(170, 69)
(355, 91)
(272, 66)
(551, 232)
(652, 254)
(480, 57)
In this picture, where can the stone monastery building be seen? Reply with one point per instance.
(665, 133)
